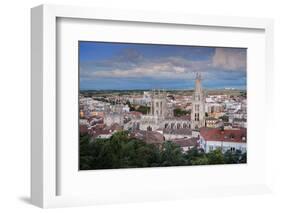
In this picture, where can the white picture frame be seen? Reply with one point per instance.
(44, 154)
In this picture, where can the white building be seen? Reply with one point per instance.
(230, 139)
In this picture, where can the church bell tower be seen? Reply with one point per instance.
(198, 105)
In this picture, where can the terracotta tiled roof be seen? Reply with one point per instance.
(98, 132)
(227, 135)
(97, 126)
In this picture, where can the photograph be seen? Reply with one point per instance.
(160, 105)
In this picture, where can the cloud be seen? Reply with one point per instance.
(158, 68)
(226, 64)
(229, 59)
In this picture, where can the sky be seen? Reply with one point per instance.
(124, 66)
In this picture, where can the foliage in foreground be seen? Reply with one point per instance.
(120, 151)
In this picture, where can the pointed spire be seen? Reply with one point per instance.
(198, 76)
(198, 87)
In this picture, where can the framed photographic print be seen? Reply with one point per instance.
(144, 105)
(149, 106)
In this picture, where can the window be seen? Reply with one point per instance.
(197, 107)
(232, 149)
(196, 116)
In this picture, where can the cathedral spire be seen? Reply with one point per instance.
(198, 104)
(198, 86)
(198, 76)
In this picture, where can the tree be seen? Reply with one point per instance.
(200, 161)
(119, 151)
(215, 157)
(243, 158)
(231, 157)
(143, 109)
(85, 153)
(196, 156)
(180, 112)
(122, 151)
(171, 155)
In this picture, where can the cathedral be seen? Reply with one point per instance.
(161, 115)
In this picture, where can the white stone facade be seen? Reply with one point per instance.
(223, 145)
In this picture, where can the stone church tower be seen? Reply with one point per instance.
(198, 105)
(158, 104)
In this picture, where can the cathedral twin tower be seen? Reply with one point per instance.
(198, 105)
(160, 110)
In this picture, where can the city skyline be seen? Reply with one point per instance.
(123, 66)
(158, 129)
